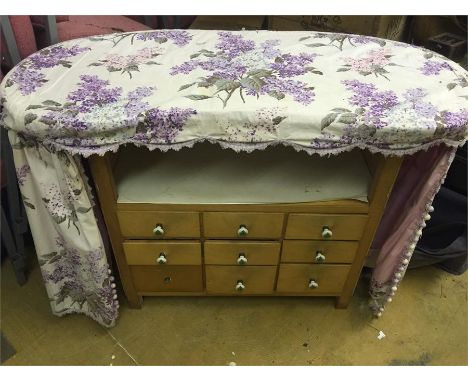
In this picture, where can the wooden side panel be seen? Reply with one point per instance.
(384, 178)
(102, 176)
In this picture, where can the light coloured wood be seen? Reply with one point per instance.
(102, 176)
(227, 252)
(305, 251)
(146, 252)
(140, 224)
(183, 278)
(294, 278)
(223, 279)
(345, 206)
(310, 226)
(259, 225)
(384, 178)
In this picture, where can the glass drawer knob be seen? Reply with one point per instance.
(319, 257)
(242, 231)
(162, 258)
(158, 230)
(326, 232)
(313, 284)
(242, 260)
(240, 286)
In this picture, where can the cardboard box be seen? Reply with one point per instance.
(228, 22)
(390, 27)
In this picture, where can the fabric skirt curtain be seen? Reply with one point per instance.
(68, 242)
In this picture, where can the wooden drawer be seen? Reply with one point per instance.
(308, 251)
(256, 279)
(295, 278)
(227, 224)
(173, 278)
(140, 224)
(229, 252)
(162, 253)
(310, 226)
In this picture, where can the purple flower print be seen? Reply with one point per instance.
(289, 65)
(54, 56)
(456, 119)
(92, 92)
(178, 37)
(434, 67)
(22, 173)
(232, 45)
(298, 90)
(28, 75)
(375, 103)
(163, 125)
(28, 80)
(240, 65)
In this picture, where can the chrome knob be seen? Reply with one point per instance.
(242, 231)
(313, 284)
(242, 260)
(162, 258)
(158, 230)
(319, 257)
(326, 232)
(240, 286)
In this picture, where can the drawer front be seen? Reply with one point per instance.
(241, 253)
(224, 279)
(318, 251)
(295, 278)
(162, 253)
(173, 278)
(174, 224)
(229, 224)
(311, 226)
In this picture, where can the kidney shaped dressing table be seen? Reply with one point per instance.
(272, 157)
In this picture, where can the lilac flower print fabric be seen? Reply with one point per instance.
(323, 93)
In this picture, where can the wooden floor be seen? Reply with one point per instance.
(426, 324)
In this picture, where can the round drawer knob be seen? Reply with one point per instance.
(158, 230)
(240, 286)
(313, 284)
(320, 257)
(326, 232)
(242, 231)
(162, 258)
(167, 280)
(242, 260)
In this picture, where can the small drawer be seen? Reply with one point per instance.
(325, 227)
(243, 225)
(318, 251)
(238, 280)
(173, 278)
(158, 225)
(313, 279)
(241, 253)
(162, 253)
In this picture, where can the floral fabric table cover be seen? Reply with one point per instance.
(319, 92)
